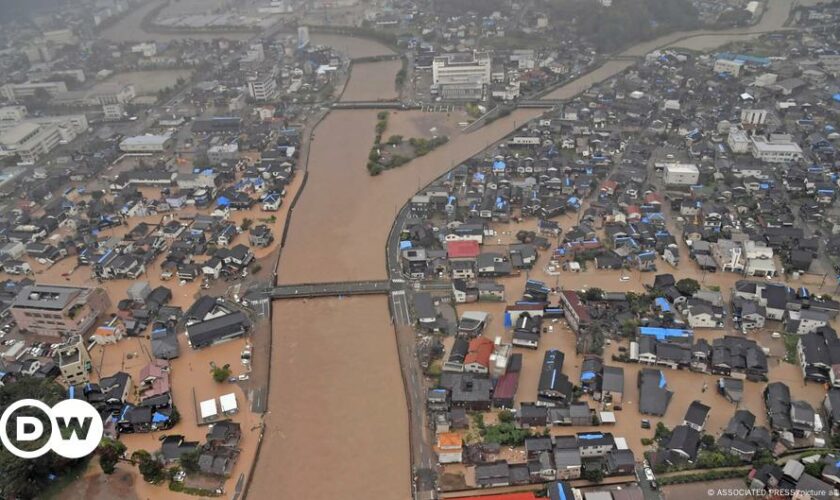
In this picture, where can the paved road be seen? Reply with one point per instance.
(647, 489)
(423, 458)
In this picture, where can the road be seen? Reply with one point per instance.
(647, 489)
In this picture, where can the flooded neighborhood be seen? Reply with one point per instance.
(420, 250)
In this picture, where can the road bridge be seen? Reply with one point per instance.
(311, 290)
(373, 105)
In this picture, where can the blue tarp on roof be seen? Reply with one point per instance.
(404, 245)
(836, 97)
(498, 165)
(663, 304)
(223, 201)
(588, 375)
(662, 381)
(159, 418)
(596, 435)
(664, 333)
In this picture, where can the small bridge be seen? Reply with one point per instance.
(539, 103)
(310, 290)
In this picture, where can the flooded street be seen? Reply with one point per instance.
(337, 422)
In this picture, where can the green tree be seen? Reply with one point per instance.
(247, 223)
(150, 467)
(110, 451)
(593, 474)
(395, 140)
(189, 460)
(220, 374)
(688, 286)
(662, 433)
(593, 294)
(505, 416)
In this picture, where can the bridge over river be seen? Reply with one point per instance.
(311, 290)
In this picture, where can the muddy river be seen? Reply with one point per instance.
(337, 423)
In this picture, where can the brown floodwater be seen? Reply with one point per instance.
(342, 219)
(352, 47)
(371, 82)
(337, 420)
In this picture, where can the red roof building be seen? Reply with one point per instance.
(467, 249)
(506, 496)
(477, 359)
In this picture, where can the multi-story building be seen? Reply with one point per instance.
(58, 311)
(262, 84)
(74, 361)
(461, 75)
(681, 174)
(753, 117)
(29, 140)
(738, 140)
(16, 91)
(778, 148)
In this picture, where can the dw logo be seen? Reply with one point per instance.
(76, 428)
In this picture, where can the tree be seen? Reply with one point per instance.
(220, 374)
(594, 474)
(150, 467)
(593, 294)
(505, 416)
(189, 460)
(688, 286)
(247, 223)
(395, 140)
(662, 433)
(110, 451)
(708, 440)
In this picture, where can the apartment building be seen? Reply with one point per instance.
(58, 311)
(29, 140)
(17, 91)
(262, 84)
(74, 361)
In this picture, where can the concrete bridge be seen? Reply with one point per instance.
(539, 103)
(373, 105)
(310, 290)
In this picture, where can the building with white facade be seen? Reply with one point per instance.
(778, 148)
(753, 117)
(681, 174)
(29, 140)
(146, 143)
(17, 91)
(738, 141)
(262, 84)
(461, 75)
(759, 260)
(733, 67)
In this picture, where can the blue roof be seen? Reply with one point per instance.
(595, 435)
(663, 304)
(664, 333)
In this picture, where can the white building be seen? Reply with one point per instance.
(461, 75)
(728, 66)
(148, 49)
(12, 114)
(759, 259)
(16, 91)
(753, 117)
(738, 141)
(146, 143)
(29, 141)
(112, 111)
(779, 148)
(262, 85)
(681, 174)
